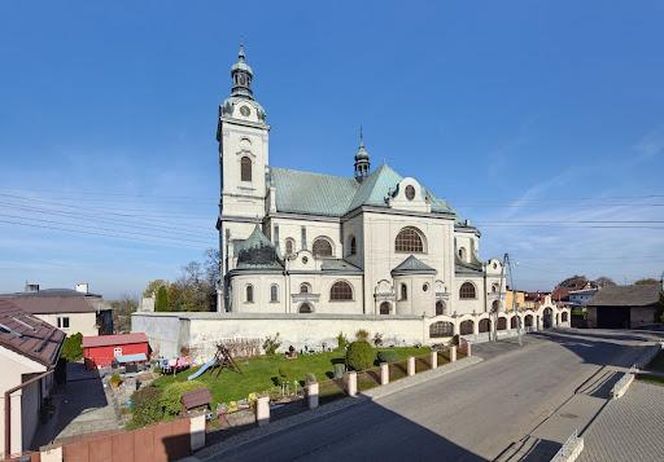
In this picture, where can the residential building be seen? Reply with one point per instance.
(625, 307)
(29, 353)
(71, 310)
(580, 298)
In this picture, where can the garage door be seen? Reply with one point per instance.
(613, 318)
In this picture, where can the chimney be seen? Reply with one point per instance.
(81, 287)
(31, 287)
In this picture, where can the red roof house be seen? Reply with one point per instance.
(101, 350)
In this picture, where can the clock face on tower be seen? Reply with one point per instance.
(245, 111)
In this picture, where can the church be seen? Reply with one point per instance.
(308, 255)
(373, 242)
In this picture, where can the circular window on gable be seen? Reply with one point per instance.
(410, 192)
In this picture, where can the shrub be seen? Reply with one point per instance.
(115, 380)
(72, 349)
(387, 356)
(362, 335)
(271, 344)
(342, 341)
(171, 396)
(146, 407)
(360, 355)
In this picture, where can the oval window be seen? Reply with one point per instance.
(410, 192)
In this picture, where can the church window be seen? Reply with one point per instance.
(245, 169)
(305, 288)
(384, 308)
(410, 240)
(410, 192)
(440, 308)
(467, 291)
(274, 293)
(290, 246)
(305, 308)
(322, 248)
(249, 294)
(404, 291)
(341, 290)
(462, 253)
(352, 244)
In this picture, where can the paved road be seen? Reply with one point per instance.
(471, 415)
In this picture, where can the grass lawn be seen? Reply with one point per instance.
(257, 373)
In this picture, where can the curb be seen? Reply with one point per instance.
(235, 442)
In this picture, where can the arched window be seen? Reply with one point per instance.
(563, 318)
(467, 291)
(409, 240)
(441, 329)
(404, 291)
(322, 247)
(249, 294)
(274, 293)
(494, 288)
(485, 325)
(290, 246)
(440, 308)
(462, 253)
(245, 169)
(495, 306)
(514, 322)
(502, 324)
(341, 290)
(466, 327)
(352, 246)
(305, 308)
(384, 308)
(305, 288)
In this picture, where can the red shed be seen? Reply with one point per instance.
(100, 350)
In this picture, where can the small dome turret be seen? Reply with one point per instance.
(362, 162)
(242, 75)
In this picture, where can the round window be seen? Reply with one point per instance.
(425, 287)
(410, 192)
(304, 260)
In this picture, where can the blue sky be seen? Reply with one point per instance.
(541, 121)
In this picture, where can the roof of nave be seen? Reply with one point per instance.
(412, 265)
(338, 265)
(319, 194)
(474, 266)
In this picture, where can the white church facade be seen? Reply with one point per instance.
(309, 255)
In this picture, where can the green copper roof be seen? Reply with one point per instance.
(257, 251)
(412, 265)
(317, 194)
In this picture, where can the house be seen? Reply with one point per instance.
(624, 307)
(101, 351)
(309, 255)
(581, 297)
(70, 310)
(29, 353)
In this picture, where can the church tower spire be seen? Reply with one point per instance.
(242, 76)
(362, 163)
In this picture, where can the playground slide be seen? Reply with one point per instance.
(202, 370)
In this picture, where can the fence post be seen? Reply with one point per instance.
(263, 410)
(351, 383)
(197, 432)
(470, 353)
(51, 454)
(384, 373)
(453, 353)
(434, 359)
(312, 395)
(411, 366)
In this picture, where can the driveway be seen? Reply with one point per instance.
(480, 413)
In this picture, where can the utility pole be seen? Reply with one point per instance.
(507, 266)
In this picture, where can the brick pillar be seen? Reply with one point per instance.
(312, 395)
(263, 410)
(434, 359)
(453, 353)
(351, 383)
(384, 373)
(411, 366)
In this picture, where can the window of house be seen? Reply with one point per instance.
(409, 239)
(467, 291)
(322, 248)
(290, 246)
(274, 293)
(245, 169)
(403, 289)
(384, 308)
(352, 246)
(63, 322)
(341, 290)
(249, 294)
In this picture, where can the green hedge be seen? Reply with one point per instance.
(360, 355)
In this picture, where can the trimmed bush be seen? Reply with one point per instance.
(387, 356)
(72, 349)
(360, 355)
(171, 396)
(146, 407)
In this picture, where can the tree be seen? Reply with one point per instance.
(122, 310)
(604, 281)
(646, 282)
(162, 300)
(72, 349)
(153, 287)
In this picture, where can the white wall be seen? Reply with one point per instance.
(85, 323)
